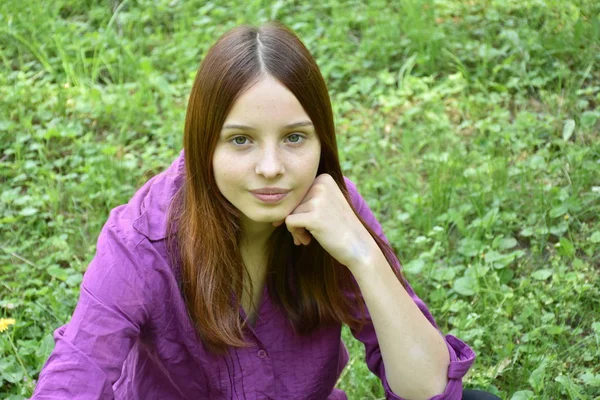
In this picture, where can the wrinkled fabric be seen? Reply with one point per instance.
(130, 336)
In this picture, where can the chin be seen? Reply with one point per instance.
(269, 218)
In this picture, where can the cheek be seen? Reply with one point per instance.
(220, 171)
(230, 174)
(316, 160)
(222, 163)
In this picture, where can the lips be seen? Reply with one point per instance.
(270, 195)
(270, 191)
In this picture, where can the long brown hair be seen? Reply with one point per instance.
(311, 286)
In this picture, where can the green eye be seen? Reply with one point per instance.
(236, 140)
(296, 136)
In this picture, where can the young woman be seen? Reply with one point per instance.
(230, 274)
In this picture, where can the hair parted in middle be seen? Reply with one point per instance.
(204, 228)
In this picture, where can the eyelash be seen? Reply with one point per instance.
(232, 140)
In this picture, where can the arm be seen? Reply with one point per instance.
(112, 308)
(417, 360)
(409, 339)
(420, 363)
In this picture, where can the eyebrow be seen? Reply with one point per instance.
(249, 128)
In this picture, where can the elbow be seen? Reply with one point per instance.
(426, 380)
(425, 393)
(434, 386)
(437, 388)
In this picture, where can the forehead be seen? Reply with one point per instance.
(266, 103)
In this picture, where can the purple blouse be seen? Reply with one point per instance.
(130, 336)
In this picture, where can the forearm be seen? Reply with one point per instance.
(414, 353)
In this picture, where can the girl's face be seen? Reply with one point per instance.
(267, 141)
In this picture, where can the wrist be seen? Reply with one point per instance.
(366, 258)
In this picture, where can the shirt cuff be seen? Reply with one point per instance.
(461, 359)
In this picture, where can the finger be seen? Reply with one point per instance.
(301, 235)
(297, 224)
(308, 239)
(300, 209)
(299, 242)
(305, 237)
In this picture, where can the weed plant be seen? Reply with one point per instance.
(470, 127)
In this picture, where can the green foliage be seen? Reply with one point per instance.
(471, 128)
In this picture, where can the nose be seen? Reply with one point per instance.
(269, 163)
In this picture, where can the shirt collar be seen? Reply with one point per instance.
(155, 197)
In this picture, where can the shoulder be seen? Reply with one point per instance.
(145, 214)
(129, 249)
(357, 201)
(362, 208)
(133, 230)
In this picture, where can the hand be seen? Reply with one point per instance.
(325, 215)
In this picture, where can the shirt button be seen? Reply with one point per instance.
(262, 354)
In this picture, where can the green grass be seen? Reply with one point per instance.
(471, 128)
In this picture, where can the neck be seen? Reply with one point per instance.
(254, 255)
(256, 235)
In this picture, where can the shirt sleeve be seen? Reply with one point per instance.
(90, 350)
(461, 355)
